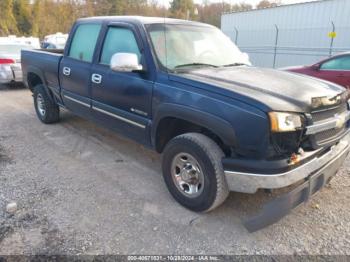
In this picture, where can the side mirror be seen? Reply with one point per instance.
(125, 62)
(316, 67)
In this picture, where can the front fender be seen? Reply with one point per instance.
(218, 126)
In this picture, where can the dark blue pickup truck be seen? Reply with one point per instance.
(185, 90)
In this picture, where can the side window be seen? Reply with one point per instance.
(84, 42)
(119, 40)
(340, 63)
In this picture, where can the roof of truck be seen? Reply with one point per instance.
(141, 20)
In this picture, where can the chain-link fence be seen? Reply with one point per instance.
(279, 47)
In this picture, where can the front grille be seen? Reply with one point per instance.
(323, 137)
(327, 135)
(328, 113)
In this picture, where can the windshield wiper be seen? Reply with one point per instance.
(195, 64)
(234, 64)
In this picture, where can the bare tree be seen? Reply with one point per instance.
(267, 3)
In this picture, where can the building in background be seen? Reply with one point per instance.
(291, 34)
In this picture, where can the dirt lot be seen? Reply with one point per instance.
(81, 189)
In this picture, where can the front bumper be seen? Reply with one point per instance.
(247, 182)
(276, 209)
(313, 175)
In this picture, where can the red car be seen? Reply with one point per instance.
(335, 69)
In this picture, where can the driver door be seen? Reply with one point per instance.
(122, 99)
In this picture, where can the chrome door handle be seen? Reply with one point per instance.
(66, 71)
(96, 78)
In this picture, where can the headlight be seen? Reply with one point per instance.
(285, 122)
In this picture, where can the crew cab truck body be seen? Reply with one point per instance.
(185, 90)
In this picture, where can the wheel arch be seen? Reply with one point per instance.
(35, 77)
(172, 120)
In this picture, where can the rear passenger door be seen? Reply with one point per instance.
(75, 68)
(122, 99)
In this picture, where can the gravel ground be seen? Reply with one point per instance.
(81, 189)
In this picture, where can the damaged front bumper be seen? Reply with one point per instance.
(315, 173)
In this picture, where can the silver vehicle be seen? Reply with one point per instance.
(10, 62)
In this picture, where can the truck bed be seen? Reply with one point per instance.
(47, 61)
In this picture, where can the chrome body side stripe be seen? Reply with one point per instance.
(77, 101)
(119, 117)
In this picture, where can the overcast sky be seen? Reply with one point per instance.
(253, 2)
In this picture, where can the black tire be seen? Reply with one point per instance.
(48, 112)
(209, 156)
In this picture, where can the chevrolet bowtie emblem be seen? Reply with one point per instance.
(340, 120)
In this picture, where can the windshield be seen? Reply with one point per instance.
(186, 46)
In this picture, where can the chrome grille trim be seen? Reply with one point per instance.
(329, 124)
(325, 114)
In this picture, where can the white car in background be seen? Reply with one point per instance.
(12, 39)
(10, 56)
(10, 62)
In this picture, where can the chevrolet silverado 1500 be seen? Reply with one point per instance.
(185, 90)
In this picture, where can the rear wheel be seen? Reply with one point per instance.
(193, 172)
(46, 109)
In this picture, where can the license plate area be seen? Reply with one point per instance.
(279, 207)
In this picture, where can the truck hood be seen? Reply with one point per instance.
(267, 88)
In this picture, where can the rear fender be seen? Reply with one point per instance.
(40, 74)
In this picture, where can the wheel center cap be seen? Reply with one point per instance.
(188, 174)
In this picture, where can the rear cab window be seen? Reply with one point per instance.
(84, 42)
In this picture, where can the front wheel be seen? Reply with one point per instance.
(193, 172)
(46, 109)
